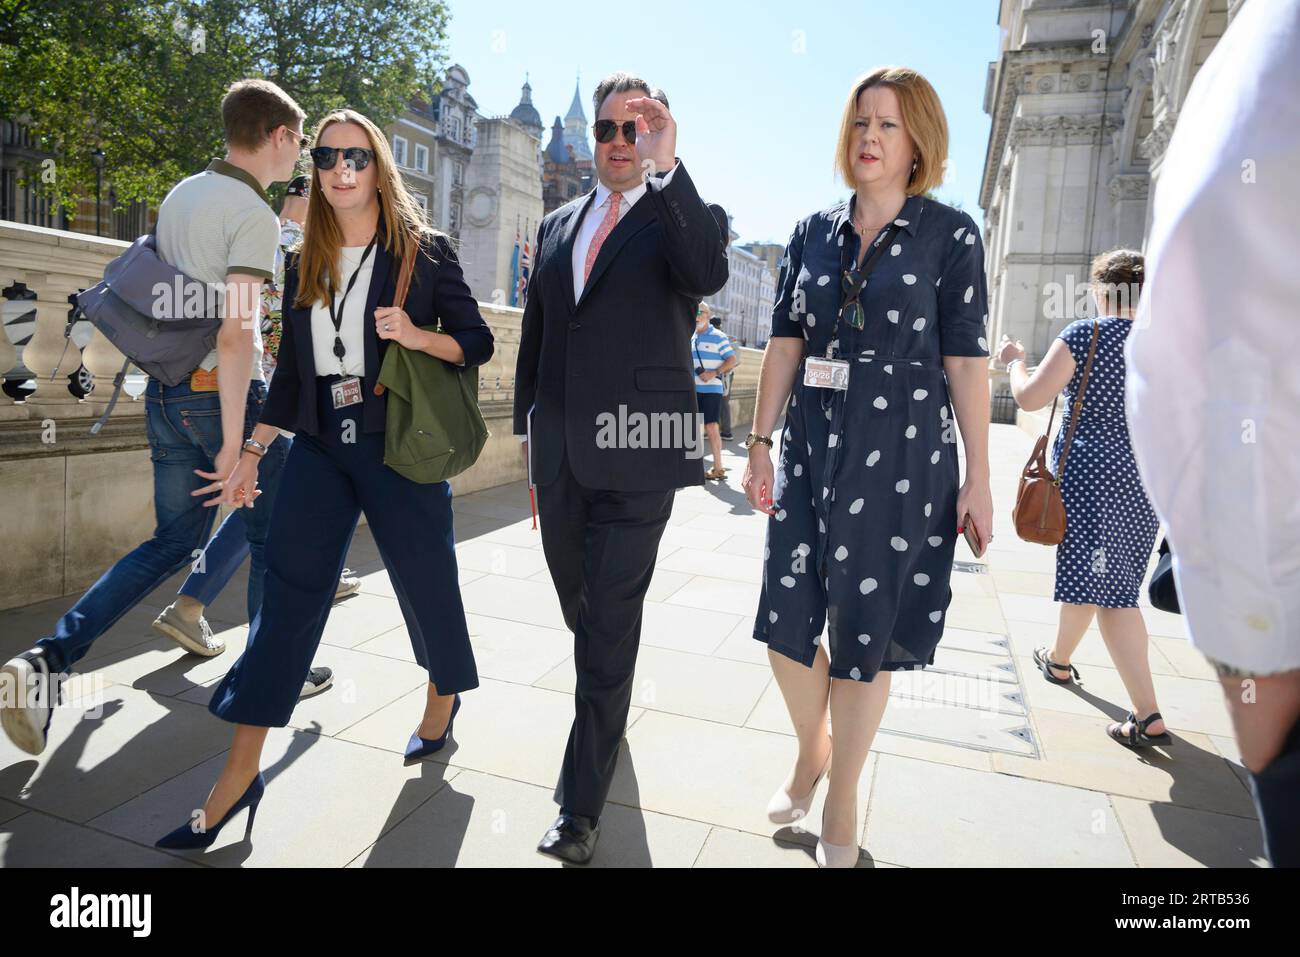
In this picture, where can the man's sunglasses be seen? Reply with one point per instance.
(604, 130)
(326, 156)
(303, 139)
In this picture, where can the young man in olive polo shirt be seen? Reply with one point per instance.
(218, 228)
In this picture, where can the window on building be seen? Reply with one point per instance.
(453, 127)
(422, 158)
(458, 173)
(399, 150)
(423, 202)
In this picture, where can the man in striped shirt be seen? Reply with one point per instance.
(713, 357)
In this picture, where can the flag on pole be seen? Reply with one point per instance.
(514, 269)
(525, 265)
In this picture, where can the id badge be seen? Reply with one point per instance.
(826, 373)
(346, 391)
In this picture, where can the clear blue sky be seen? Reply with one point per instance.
(757, 117)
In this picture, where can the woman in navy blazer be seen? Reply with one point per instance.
(338, 322)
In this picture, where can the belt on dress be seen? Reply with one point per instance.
(869, 355)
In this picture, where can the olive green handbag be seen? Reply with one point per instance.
(433, 427)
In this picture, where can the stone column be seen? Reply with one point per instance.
(103, 360)
(52, 357)
(9, 409)
(1128, 197)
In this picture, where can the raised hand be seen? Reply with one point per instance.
(656, 133)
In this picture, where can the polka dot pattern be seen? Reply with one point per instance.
(1110, 526)
(877, 578)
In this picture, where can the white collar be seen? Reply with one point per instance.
(631, 196)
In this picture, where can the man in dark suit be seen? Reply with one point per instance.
(605, 398)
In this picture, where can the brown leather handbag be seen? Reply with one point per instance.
(1039, 514)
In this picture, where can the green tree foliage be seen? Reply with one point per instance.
(143, 79)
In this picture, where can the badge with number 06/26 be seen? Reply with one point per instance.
(826, 373)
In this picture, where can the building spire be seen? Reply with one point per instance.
(575, 109)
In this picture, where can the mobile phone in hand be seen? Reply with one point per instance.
(972, 537)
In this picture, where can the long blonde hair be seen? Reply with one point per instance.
(401, 219)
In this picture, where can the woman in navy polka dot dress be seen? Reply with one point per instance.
(1110, 525)
(865, 500)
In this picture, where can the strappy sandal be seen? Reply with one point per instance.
(1137, 736)
(1045, 664)
(715, 473)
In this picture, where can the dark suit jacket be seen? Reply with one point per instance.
(626, 343)
(438, 293)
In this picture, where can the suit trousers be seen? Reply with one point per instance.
(330, 478)
(600, 546)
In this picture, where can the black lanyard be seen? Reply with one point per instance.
(337, 318)
(883, 242)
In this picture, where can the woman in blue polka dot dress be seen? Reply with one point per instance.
(1110, 525)
(865, 500)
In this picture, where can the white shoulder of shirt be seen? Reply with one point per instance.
(1201, 377)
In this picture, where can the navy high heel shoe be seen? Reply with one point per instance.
(419, 747)
(186, 838)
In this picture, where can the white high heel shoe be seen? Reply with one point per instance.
(784, 808)
(837, 855)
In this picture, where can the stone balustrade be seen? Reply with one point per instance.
(72, 503)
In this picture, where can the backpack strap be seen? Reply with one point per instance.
(1077, 405)
(118, 380)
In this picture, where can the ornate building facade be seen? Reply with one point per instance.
(1083, 99)
(481, 178)
(432, 143)
(744, 304)
(562, 178)
(575, 129)
(503, 198)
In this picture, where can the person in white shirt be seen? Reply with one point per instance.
(714, 358)
(1214, 389)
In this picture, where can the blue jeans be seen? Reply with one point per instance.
(228, 548)
(184, 434)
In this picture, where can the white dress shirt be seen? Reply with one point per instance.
(1213, 386)
(352, 326)
(592, 220)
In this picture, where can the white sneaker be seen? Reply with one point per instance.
(27, 700)
(349, 584)
(195, 637)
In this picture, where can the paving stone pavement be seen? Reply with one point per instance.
(979, 762)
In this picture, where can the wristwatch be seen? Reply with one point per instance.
(754, 439)
(256, 447)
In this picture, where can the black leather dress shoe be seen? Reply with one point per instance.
(571, 838)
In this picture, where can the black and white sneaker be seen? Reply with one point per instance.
(27, 700)
(318, 679)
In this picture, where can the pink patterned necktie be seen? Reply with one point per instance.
(606, 227)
